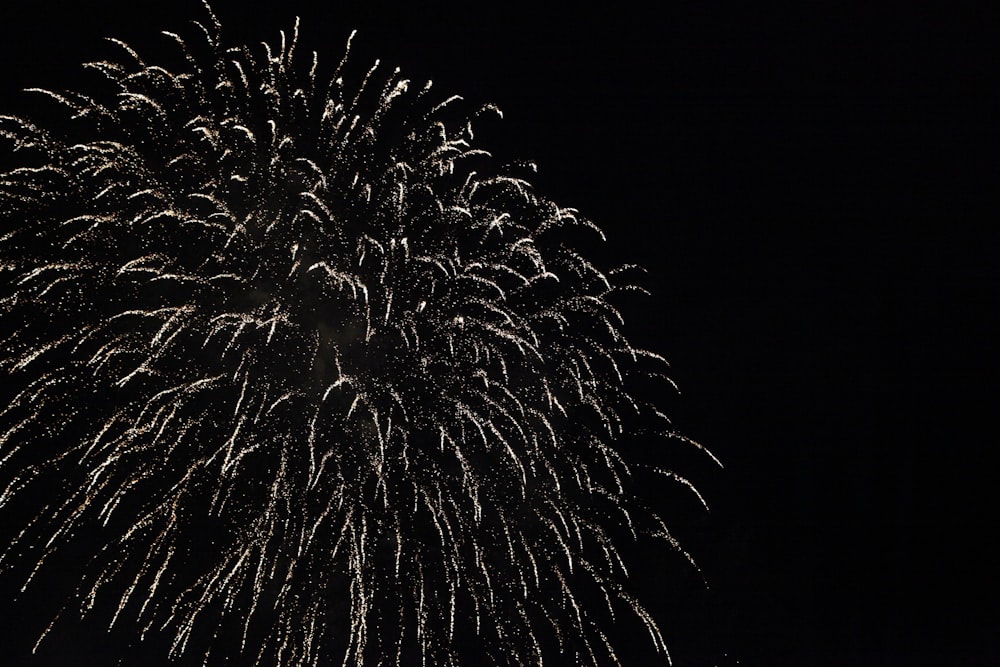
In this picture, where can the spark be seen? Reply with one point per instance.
(308, 327)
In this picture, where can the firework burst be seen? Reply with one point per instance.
(322, 382)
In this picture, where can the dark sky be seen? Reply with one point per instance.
(804, 183)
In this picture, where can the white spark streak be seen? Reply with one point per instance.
(286, 321)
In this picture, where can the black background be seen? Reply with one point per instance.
(804, 182)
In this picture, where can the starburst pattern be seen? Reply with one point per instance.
(325, 382)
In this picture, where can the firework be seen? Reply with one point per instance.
(321, 381)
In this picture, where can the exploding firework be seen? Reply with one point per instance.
(316, 378)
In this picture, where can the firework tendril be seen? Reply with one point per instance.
(325, 383)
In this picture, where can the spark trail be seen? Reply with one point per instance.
(323, 382)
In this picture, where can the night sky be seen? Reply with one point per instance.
(804, 183)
